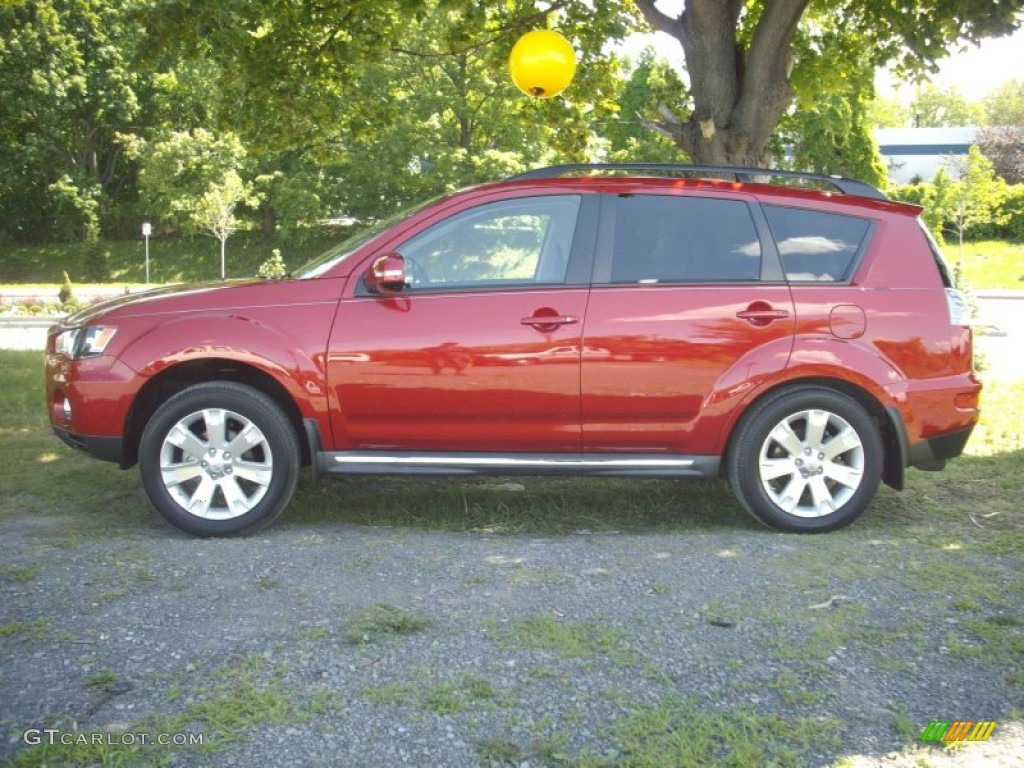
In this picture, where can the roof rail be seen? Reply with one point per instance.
(846, 186)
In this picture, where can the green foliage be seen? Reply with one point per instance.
(1004, 105)
(96, 263)
(935, 107)
(68, 87)
(833, 136)
(66, 294)
(379, 621)
(187, 174)
(651, 82)
(273, 268)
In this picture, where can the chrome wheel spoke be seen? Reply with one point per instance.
(176, 474)
(199, 502)
(216, 425)
(821, 497)
(817, 423)
(772, 469)
(254, 472)
(784, 435)
(789, 498)
(847, 440)
(245, 440)
(182, 437)
(844, 475)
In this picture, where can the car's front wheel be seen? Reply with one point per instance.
(806, 460)
(219, 459)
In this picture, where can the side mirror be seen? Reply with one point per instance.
(386, 274)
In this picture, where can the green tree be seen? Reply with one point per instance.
(835, 138)
(746, 60)
(69, 87)
(629, 134)
(977, 196)
(1004, 105)
(214, 212)
(181, 167)
(934, 107)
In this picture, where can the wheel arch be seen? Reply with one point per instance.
(891, 431)
(179, 377)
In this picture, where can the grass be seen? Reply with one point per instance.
(176, 260)
(990, 264)
(380, 621)
(569, 640)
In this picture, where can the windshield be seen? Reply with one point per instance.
(349, 245)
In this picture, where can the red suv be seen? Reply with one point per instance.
(667, 321)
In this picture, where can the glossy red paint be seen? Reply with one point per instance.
(579, 362)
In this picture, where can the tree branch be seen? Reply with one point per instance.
(661, 21)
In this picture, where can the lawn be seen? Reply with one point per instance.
(990, 264)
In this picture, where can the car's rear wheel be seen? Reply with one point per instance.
(219, 459)
(806, 460)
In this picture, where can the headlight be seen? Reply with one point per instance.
(85, 342)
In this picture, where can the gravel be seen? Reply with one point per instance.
(134, 629)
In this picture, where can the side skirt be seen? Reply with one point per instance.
(583, 464)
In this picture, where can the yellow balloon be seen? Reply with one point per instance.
(542, 63)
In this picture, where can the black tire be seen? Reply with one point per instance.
(222, 440)
(806, 460)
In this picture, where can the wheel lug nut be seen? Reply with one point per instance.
(203, 464)
(227, 455)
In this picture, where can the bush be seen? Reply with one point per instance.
(273, 268)
(67, 291)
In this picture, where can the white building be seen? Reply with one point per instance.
(917, 153)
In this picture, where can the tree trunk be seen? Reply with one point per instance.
(739, 95)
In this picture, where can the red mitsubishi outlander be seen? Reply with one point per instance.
(798, 334)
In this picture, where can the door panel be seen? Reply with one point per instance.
(459, 371)
(662, 354)
(480, 351)
(684, 326)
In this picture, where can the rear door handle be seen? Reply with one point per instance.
(762, 315)
(538, 321)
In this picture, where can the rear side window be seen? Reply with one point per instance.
(662, 239)
(816, 246)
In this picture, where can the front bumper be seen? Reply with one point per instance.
(97, 446)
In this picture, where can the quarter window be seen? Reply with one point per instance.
(816, 246)
(509, 242)
(661, 239)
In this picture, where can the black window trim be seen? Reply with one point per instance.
(771, 265)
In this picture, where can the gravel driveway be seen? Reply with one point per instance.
(321, 643)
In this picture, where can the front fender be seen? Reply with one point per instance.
(292, 356)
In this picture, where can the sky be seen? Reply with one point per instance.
(975, 71)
